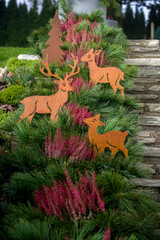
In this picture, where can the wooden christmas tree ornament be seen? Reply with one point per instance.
(114, 140)
(54, 51)
(49, 104)
(111, 75)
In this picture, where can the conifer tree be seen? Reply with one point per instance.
(34, 16)
(128, 22)
(139, 24)
(142, 24)
(48, 11)
(22, 31)
(3, 20)
(136, 24)
(12, 23)
(152, 18)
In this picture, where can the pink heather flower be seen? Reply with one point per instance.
(75, 37)
(69, 22)
(107, 235)
(72, 21)
(71, 199)
(78, 113)
(9, 74)
(108, 17)
(78, 83)
(74, 148)
(67, 238)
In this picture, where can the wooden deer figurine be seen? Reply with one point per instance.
(110, 75)
(114, 140)
(49, 104)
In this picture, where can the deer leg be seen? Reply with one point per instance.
(96, 150)
(113, 86)
(54, 116)
(94, 81)
(28, 110)
(114, 151)
(124, 150)
(121, 88)
(101, 150)
(30, 117)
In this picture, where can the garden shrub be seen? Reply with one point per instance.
(4, 136)
(3, 116)
(12, 94)
(14, 63)
(22, 77)
(38, 38)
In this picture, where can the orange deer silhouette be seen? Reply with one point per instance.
(110, 75)
(114, 140)
(49, 104)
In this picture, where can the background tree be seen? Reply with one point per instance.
(12, 23)
(142, 29)
(3, 22)
(48, 11)
(16, 22)
(23, 28)
(136, 21)
(139, 24)
(128, 22)
(150, 4)
(152, 18)
(34, 16)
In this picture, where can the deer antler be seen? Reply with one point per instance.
(75, 59)
(48, 69)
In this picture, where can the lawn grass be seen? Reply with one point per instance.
(8, 52)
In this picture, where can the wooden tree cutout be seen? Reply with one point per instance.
(50, 104)
(54, 51)
(110, 75)
(114, 140)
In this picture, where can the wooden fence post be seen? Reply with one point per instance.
(152, 30)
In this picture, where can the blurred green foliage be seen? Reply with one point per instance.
(12, 94)
(11, 52)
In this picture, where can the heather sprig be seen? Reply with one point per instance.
(73, 148)
(107, 234)
(78, 113)
(78, 83)
(75, 37)
(79, 200)
(69, 22)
